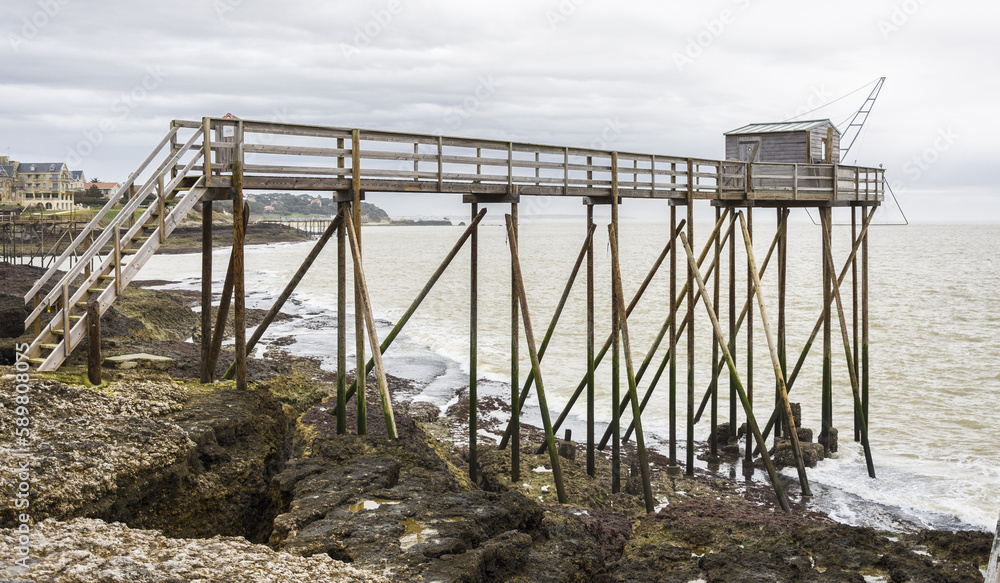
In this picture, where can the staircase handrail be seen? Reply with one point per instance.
(107, 233)
(99, 216)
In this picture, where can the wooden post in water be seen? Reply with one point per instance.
(369, 318)
(343, 208)
(751, 421)
(854, 312)
(819, 321)
(616, 463)
(775, 360)
(714, 385)
(591, 459)
(536, 367)
(93, 341)
(515, 411)
(239, 283)
(619, 306)
(361, 377)
(782, 283)
(864, 313)
(827, 413)
(733, 379)
(689, 469)
(855, 384)
(473, 347)
(748, 456)
(206, 288)
(673, 468)
(549, 332)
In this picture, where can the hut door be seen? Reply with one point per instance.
(749, 150)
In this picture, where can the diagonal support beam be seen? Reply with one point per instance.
(775, 359)
(529, 337)
(855, 388)
(720, 337)
(366, 305)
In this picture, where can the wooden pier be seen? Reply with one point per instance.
(221, 158)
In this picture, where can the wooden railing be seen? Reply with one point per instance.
(302, 157)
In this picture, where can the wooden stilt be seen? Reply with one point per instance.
(827, 412)
(206, 287)
(343, 209)
(751, 421)
(855, 385)
(616, 318)
(391, 336)
(239, 285)
(361, 376)
(473, 350)
(93, 342)
(689, 469)
(775, 359)
(369, 319)
(607, 343)
(673, 466)
(864, 317)
(286, 293)
(854, 313)
(819, 320)
(514, 430)
(536, 366)
(664, 328)
(619, 307)
(782, 284)
(714, 385)
(733, 329)
(588, 242)
(993, 569)
(224, 302)
(591, 459)
(748, 456)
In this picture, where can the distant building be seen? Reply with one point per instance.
(8, 182)
(801, 142)
(108, 189)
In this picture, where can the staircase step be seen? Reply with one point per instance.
(36, 361)
(58, 332)
(48, 346)
(96, 290)
(105, 277)
(129, 251)
(75, 318)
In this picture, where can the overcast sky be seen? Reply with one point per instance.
(96, 83)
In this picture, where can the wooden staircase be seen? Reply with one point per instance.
(167, 196)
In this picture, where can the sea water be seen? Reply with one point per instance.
(934, 341)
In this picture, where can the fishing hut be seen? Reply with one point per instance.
(222, 158)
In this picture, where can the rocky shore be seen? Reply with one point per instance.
(155, 477)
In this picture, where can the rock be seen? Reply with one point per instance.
(152, 455)
(423, 411)
(86, 550)
(141, 360)
(784, 456)
(829, 442)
